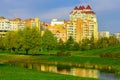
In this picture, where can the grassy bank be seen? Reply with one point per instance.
(74, 60)
(16, 73)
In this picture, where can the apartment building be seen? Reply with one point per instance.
(83, 23)
(58, 28)
(32, 22)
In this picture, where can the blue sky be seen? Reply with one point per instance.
(107, 11)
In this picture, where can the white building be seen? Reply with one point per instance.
(117, 35)
(104, 34)
(56, 22)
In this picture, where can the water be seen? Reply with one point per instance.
(71, 70)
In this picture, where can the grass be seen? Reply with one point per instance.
(17, 73)
(97, 52)
(90, 57)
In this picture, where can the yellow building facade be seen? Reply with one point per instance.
(35, 22)
(58, 28)
(16, 24)
(82, 24)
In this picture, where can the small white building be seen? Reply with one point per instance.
(117, 35)
(56, 22)
(104, 34)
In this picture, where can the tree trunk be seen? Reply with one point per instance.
(27, 51)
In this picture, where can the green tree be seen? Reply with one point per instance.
(61, 45)
(102, 42)
(76, 46)
(49, 42)
(113, 41)
(10, 41)
(69, 43)
(85, 44)
(31, 39)
(2, 42)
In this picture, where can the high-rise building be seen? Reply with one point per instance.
(82, 24)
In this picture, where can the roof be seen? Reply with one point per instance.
(88, 7)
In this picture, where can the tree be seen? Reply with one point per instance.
(85, 44)
(31, 39)
(49, 42)
(69, 43)
(10, 41)
(113, 41)
(102, 42)
(76, 46)
(61, 45)
(2, 45)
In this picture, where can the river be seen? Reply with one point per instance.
(71, 70)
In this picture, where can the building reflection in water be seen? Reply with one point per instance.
(67, 70)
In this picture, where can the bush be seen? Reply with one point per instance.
(63, 54)
(60, 53)
(110, 55)
(68, 54)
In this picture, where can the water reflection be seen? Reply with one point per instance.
(68, 70)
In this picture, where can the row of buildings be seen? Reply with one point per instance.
(82, 24)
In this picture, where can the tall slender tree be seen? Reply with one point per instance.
(69, 43)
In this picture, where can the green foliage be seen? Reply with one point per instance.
(25, 39)
(2, 44)
(10, 41)
(61, 45)
(85, 45)
(76, 46)
(70, 43)
(49, 42)
(31, 39)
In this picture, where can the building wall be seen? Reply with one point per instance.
(104, 34)
(15, 24)
(117, 35)
(35, 22)
(59, 30)
(84, 23)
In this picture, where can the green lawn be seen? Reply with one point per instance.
(17, 73)
(90, 57)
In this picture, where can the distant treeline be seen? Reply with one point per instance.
(30, 40)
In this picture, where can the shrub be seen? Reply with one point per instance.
(63, 54)
(60, 53)
(110, 55)
(68, 54)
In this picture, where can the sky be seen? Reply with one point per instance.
(107, 11)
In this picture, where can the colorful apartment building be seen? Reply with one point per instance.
(10, 25)
(82, 24)
(15, 24)
(58, 28)
(35, 22)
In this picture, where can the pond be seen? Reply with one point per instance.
(71, 70)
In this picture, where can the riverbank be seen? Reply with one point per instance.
(88, 62)
(17, 73)
(86, 59)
